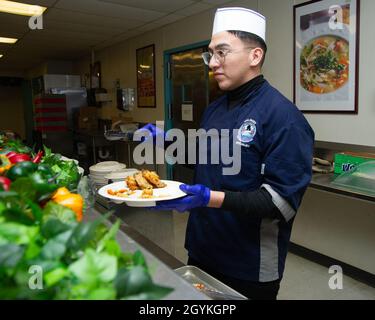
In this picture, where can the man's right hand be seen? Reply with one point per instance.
(154, 132)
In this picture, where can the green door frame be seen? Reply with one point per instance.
(168, 87)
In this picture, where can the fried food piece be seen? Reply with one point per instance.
(141, 181)
(153, 178)
(199, 286)
(111, 192)
(131, 183)
(118, 193)
(147, 193)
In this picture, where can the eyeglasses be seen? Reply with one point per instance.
(220, 55)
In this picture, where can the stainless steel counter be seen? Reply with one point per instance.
(324, 182)
(327, 150)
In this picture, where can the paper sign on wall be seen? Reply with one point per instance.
(187, 112)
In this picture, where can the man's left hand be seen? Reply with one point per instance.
(197, 196)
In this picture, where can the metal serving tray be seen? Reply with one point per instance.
(213, 288)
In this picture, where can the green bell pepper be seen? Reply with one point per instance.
(41, 184)
(21, 169)
(46, 171)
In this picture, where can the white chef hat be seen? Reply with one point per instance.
(239, 19)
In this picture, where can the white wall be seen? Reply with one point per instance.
(326, 222)
(352, 129)
(119, 62)
(337, 226)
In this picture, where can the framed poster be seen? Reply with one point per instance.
(146, 92)
(326, 42)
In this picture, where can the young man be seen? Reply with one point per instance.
(239, 226)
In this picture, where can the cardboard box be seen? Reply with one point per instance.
(88, 118)
(348, 161)
(86, 111)
(122, 119)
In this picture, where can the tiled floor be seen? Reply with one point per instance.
(304, 279)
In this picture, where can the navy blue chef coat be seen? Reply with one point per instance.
(280, 156)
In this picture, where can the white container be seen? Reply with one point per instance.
(103, 167)
(106, 164)
(69, 159)
(116, 176)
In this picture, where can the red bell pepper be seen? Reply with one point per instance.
(5, 183)
(11, 154)
(18, 157)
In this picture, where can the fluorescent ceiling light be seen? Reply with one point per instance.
(21, 8)
(1, 55)
(7, 40)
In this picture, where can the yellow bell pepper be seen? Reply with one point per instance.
(70, 200)
(5, 164)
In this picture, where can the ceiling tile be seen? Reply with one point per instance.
(167, 6)
(147, 27)
(66, 34)
(43, 53)
(49, 36)
(11, 34)
(4, 47)
(44, 3)
(16, 29)
(109, 9)
(194, 9)
(29, 43)
(170, 18)
(117, 39)
(12, 19)
(91, 19)
(216, 3)
(80, 28)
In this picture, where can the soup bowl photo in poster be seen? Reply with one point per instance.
(326, 34)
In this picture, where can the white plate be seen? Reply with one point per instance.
(170, 192)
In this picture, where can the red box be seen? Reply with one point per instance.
(50, 113)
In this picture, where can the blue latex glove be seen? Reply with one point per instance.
(197, 196)
(154, 132)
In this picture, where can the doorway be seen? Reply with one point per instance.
(190, 88)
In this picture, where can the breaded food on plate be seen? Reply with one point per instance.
(131, 183)
(153, 178)
(141, 181)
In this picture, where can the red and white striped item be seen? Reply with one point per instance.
(50, 113)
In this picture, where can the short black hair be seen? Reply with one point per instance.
(251, 39)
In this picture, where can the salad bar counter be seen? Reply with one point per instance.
(49, 227)
(50, 224)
